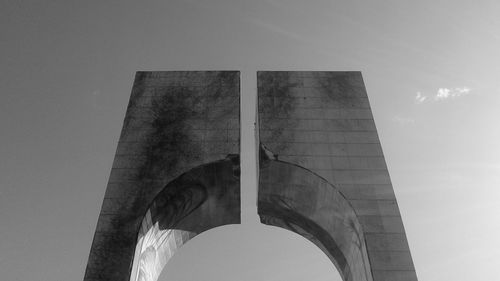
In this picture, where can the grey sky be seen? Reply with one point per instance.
(67, 68)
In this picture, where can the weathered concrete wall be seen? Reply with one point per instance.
(322, 121)
(175, 122)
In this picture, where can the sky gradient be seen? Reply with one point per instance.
(431, 73)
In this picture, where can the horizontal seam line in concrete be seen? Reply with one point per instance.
(339, 131)
(332, 107)
(150, 126)
(297, 119)
(162, 90)
(194, 141)
(188, 119)
(217, 154)
(138, 181)
(113, 233)
(312, 169)
(269, 142)
(129, 181)
(204, 110)
(368, 232)
(121, 231)
(201, 130)
(390, 251)
(204, 129)
(294, 130)
(323, 155)
(174, 81)
(348, 169)
(325, 106)
(379, 215)
(205, 154)
(298, 95)
(409, 270)
(352, 186)
(387, 233)
(136, 168)
(208, 106)
(169, 83)
(145, 92)
(343, 156)
(263, 94)
(373, 200)
(319, 119)
(301, 92)
(313, 142)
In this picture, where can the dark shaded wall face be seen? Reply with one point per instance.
(177, 123)
(322, 122)
(294, 198)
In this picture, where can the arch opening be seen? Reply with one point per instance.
(203, 198)
(249, 252)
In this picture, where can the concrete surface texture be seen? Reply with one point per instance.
(175, 173)
(323, 175)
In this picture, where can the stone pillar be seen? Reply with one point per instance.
(176, 170)
(323, 173)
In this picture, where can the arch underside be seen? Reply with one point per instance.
(203, 198)
(289, 197)
(298, 200)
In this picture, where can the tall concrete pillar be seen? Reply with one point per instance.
(175, 172)
(323, 175)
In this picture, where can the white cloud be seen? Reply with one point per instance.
(463, 90)
(445, 93)
(420, 98)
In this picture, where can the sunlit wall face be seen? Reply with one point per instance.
(154, 249)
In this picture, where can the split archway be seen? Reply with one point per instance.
(290, 197)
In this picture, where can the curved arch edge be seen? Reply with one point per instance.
(269, 215)
(203, 198)
(296, 199)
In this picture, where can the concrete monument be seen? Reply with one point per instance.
(322, 173)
